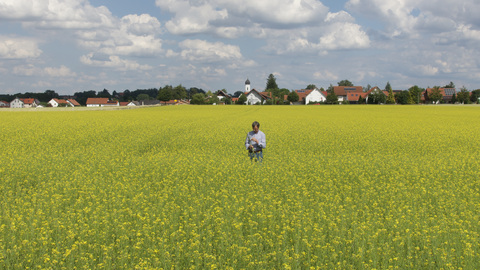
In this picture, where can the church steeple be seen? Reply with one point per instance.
(247, 85)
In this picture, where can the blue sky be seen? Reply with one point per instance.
(78, 45)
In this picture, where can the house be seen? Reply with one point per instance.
(255, 97)
(24, 103)
(101, 102)
(350, 93)
(307, 96)
(149, 102)
(4, 104)
(447, 94)
(73, 103)
(55, 102)
(222, 95)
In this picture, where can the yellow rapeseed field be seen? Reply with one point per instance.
(341, 187)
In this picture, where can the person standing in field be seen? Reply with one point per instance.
(255, 142)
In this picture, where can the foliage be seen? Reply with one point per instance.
(198, 99)
(345, 83)
(463, 96)
(165, 94)
(390, 97)
(404, 98)
(271, 83)
(143, 97)
(450, 85)
(293, 97)
(475, 96)
(332, 98)
(173, 194)
(435, 95)
(311, 87)
(415, 93)
(242, 99)
(376, 97)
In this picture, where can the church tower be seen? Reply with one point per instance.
(247, 85)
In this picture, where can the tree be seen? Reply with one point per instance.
(143, 97)
(345, 83)
(237, 94)
(271, 83)
(391, 97)
(450, 85)
(366, 89)
(475, 96)
(330, 89)
(165, 94)
(198, 98)
(242, 99)
(311, 86)
(376, 97)
(454, 98)
(179, 92)
(293, 97)
(361, 100)
(104, 94)
(435, 95)
(404, 98)
(332, 98)
(415, 92)
(463, 96)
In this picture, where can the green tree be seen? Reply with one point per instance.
(198, 99)
(415, 93)
(179, 92)
(332, 98)
(404, 98)
(454, 98)
(345, 83)
(435, 95)
(390, 97)
(330, 89)
(463, 96)
(450, 85)
(165, 94)
(376, 97)
(242, 99)
(143, 97)
(293, 97)
(311, 86)
(475, 96)
(271, 83)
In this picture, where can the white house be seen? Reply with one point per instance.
(315, 96)
(55, 102)
(4, 104)
(24, 103)
(73, 103)
(255, 97)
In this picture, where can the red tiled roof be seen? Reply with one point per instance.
(74, 102)
(97, 101)
(28, 100)
(60, 101)
(343, 90)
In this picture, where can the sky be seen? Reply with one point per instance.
(79, 45)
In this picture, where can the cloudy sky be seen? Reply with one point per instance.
(78, 45)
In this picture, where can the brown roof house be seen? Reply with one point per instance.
(101, 102)
(447, 95)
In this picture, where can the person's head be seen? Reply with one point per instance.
(255, 126)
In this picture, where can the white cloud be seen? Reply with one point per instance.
(113, 61)
(229, 17)
(344, 36)
(30, 70)
(18, 48)
(201, 50)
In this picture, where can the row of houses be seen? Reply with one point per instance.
(352, 94)
(91, 102)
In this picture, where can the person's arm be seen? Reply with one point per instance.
(263, 141)
(247, 142)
